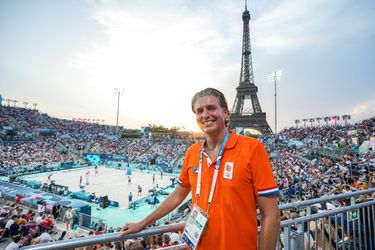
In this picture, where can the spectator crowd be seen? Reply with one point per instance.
(308, 162)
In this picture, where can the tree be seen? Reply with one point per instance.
(161, 128)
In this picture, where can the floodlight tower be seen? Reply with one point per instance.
(273, 77)
(8, 101)
(118, 92)
(335, 119)
(297, 121)
(346, 118)
(304, 122)
(326, 119)
(312, 120)
(319, 119)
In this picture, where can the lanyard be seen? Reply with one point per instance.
(217, 166)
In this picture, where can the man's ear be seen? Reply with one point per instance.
(227, 114)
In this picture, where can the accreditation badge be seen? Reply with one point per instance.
(194, 228)
(228, 170)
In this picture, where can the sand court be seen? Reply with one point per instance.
(108, 181)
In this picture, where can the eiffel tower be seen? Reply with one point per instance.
(242, 115)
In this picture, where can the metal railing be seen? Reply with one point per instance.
(336, 153)
(307, 203)
(348, 227)
(104, 238)
(85, 221)
(90, 222)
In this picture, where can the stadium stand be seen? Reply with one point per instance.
(309, 163)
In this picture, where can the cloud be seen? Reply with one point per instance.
(363, 111)
(299, 24)
(151, 43)
(159, 53)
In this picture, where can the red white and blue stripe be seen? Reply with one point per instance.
(268, 191)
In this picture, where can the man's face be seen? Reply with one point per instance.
(210, 115)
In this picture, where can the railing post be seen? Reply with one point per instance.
(287, 240)
(297, 238)
(80, 220)
(308, 211)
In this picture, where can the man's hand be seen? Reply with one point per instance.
(171, 202)
(131, 227)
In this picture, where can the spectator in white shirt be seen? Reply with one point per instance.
(13, 245)
(45, 237)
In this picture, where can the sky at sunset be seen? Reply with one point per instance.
(68, 56)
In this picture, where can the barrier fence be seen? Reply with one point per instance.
(98, 239)
(336, 153)
(346, 227)
(349, 227)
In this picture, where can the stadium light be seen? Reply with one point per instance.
(304, 122)
(335, 119)
(311, 120)
(118, 92)
(273, 77)
(8, 101)
(297, 121)
(346, 118)
(319, 119)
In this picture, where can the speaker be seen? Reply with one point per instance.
(12, 178)
(105, 201)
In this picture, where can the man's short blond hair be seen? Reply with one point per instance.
(210, 92)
